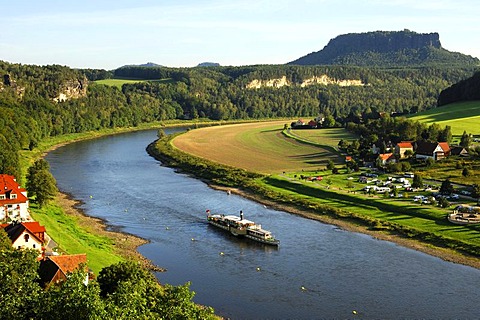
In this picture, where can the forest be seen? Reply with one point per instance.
(30, 110)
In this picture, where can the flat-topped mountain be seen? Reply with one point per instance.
(386, 49)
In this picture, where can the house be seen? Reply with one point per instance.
(54, 269)
(459, 151)
(25, 235)
(434, 150)
(402, 147)
(13, 199)
(348, 159)
(312, 124)
(384, 158)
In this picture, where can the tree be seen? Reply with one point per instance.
(445, 135)
(330, 165)
(19, 289)
(417, 181)
(40, 182)
(446, 187)
(465, 140)
(476, 192)
(161, 134)
(466, 172)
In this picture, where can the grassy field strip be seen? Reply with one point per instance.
(257, 147)
(403, 212)
(460, 116)
(75, 238)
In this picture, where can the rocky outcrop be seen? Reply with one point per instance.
(283, 81)
(275, 83)
(72, 89)
(326, 80)
(386, 49)
(8, 82)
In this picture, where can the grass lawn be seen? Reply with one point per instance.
(460, 116)
(335, 191)
(120, 82)
(258, 147)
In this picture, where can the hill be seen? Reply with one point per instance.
(386, 49)
(459, 116)
(145, 65)
(465, 90)
(208, 64)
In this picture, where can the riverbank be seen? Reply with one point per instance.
(125, 244)
(442, 253)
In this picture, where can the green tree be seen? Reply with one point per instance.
(465, 140)
(40, 182)
(476, 192)
(19, 289)
(417, 181)
(72, 299)
(466, 172)
(330, 165)
(5, 242)
(446, 187)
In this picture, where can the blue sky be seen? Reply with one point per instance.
(108, 34)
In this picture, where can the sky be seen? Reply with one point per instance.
(107, 34)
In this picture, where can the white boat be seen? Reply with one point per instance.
(238, 226)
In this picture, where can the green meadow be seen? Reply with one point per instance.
(461, 116)
(120, 82)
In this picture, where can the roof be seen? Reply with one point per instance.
(385, 156)
(444, 145)
(426, 148)
(457, 150)
(15, 230)
(9, 186)
(68, 263)
(34, 227)
(405, 144)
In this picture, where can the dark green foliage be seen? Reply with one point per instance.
(465, 90)
(446, 187)
(40, 182)
(465, 140)
(19, 289)
(466, 172)
(417, 181)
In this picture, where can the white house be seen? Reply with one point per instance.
(13, 199)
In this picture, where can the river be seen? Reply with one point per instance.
(319, 271)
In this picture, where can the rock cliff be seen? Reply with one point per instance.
(386, 49)
(283, 81)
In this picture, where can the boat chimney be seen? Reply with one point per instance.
(241, 215)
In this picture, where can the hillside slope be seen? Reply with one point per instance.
(386, 49)
(465, 90)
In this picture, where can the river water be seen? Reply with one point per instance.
(319, 271)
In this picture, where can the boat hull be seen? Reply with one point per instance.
(238, 228)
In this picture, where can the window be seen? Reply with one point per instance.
(33, 246)
(2, 197)
(26, 237)
(13, 196)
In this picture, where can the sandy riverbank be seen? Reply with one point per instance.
(125, 244)
(442, 253)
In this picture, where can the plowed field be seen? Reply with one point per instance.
(259, 147)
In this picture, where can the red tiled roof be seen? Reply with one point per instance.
(385, 156)
(68, 263)
(405, 144)
(15, 230)
(34, 227)
(444, 145)
(9, 186)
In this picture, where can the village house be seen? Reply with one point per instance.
(54, 269)
(402, 147)
(459, 151)
(433, 150)
(13, 199)
(26, 235)
(385, 158)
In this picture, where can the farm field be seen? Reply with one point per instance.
(258, 147)
(459, 116)
(120, 82)
(326, 137)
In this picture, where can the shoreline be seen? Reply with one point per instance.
(125, 244)
(442, 253)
